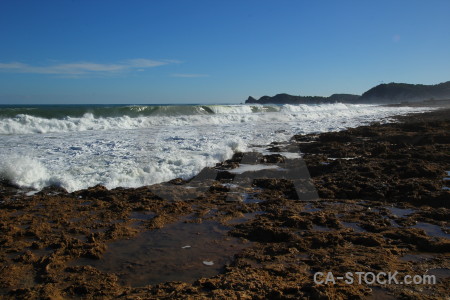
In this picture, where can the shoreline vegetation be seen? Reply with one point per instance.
(367, 199)
(381, 94)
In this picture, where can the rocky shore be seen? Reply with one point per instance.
(258, 226)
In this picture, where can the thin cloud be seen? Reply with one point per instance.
(85, 68)
(189, 75)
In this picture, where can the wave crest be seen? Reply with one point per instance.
(173, 115)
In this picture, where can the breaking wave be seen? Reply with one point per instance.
(33, 122)
(154, 143)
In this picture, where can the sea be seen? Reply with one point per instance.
(79, 146)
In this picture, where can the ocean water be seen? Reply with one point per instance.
(78, 146)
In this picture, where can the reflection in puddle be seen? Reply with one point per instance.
(354, 226)
(42, 252)
(310, 208)
(250, 198)
(230, 185)
(432, 230)
(366, 206)
(144, 216)
(440, 273)
(343, 158)
(243, 197)
(320, 228)
(254, 168)
(417, 257)
(446, 188)
(288, 155)
(400, 212)
(176, 252)
(31, 193)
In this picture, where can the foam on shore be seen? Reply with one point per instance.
(78, 152)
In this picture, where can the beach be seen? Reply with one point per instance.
(258, 225)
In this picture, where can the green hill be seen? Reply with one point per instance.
(383, 93)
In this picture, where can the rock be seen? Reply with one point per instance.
(273, 159)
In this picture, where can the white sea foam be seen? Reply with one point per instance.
(24, 171)
(126, 151)
(222, 114)
(231, 109)
(253, 168)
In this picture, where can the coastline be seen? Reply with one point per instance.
(376, 184)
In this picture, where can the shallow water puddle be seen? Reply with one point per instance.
(254, 168)
(243, 197)
(440, 273)
(230, 185)
(354, 226)
(139, 217)
(42, 252)
(367, 206)
(446, 179)
(250, 198)
(400, 212)
(288, 155)
(309, 207)
(343, 158)
(417, 257)
(432, 230)
(144, 216)
(321, 228)
(31, 193)
(178, 252)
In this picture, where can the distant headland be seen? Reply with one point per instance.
(383, 93)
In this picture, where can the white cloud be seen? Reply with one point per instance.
(12, 66)
(184, 75)
(145, 63)
(85, 68)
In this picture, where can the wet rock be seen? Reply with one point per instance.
(274, 149)
(273, 159)
(178, 181)
(224, 175)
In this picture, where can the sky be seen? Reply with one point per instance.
(148, 52)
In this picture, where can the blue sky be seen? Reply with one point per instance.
(114, 51)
